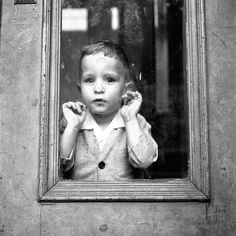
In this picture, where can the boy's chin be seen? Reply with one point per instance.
(101, 112)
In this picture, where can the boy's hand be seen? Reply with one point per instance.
(132, 103)
(74, 113)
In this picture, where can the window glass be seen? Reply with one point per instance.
(151, 34)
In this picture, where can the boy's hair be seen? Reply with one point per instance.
(108, 48)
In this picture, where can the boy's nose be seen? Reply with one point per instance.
(99, 88)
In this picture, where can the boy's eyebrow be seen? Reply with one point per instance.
(111, 73)
(87, 73)
(105, 73)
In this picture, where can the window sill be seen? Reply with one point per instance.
(146, 190)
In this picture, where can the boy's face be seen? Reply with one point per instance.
(102, 83)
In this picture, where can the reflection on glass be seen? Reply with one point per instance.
(115, 18)
(150, 32)
(75, 19)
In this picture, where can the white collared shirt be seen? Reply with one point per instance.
(101, 136)
(111, 149)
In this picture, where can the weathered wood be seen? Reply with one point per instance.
(165, 190)
(118, 219)
(20, 38)
(196, 76)
(197, 94)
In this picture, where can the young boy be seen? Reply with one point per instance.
(105, 138)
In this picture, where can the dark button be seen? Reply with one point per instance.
(101, 165)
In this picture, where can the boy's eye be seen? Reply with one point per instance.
(110, 79)
(88, 80)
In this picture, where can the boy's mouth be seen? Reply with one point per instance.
(99, 100)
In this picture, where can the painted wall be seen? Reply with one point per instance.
(19, 118)
(21, 214)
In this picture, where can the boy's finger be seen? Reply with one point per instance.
(70, 105)
(125, 96)
(81, 105)
(134, 95)
(78, 109)
(129, 94)
(138, 96)
(66, 105)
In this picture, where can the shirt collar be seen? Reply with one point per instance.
(90, 124)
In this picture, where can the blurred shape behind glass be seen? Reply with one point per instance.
(150, 32)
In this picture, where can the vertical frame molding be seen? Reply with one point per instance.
(50, 88)
(43, 141)
(197, 94)
(193, 188)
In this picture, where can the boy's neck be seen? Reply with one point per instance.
(103, 120)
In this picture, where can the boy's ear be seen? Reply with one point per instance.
(129, 86)
(124, 90)
(79, 87)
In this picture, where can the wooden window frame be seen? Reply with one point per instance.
(193, 188)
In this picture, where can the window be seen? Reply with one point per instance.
(174, 93)
(151, 33)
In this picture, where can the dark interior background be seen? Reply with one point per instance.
(151, 33)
